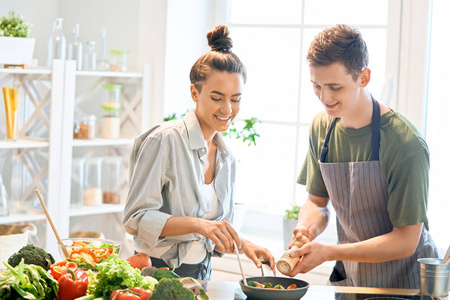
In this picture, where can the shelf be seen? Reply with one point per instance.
(102, 142)
(18, 218)
(24, 144)
(96, 210)
(109, 74)
(25, 71)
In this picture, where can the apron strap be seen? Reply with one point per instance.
(375, 134)
(324, 148)
(375, 130)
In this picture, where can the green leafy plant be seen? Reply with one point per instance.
(248, 133)
(292, 213)
(14, 25)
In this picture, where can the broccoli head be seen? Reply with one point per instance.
(267, 285)
(253, 284)
(32, 255)
(279, 287)
(172, 288)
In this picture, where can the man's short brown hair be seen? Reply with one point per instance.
(340, 43)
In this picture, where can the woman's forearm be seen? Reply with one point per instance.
(180, 225)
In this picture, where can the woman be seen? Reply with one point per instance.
(182, 175)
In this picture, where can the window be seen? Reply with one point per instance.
(437, 114)
(272, 39)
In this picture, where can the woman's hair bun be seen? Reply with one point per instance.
(218, 39)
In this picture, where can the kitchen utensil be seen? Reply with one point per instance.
(269, 294)
(286, 262)
(434, 277)
(64, 250)
(446, 259)
(236, 250)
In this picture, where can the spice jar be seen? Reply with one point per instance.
(76, 186)
(119, 60)
(110, 111)
(111, 179)
(85, 128)
(92, 192)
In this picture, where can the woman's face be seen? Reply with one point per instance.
(218, 102)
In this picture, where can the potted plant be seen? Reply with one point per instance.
(289, 223)
(15, 40)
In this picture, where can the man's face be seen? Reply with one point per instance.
(337, 90)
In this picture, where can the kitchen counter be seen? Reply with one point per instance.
(226, 290)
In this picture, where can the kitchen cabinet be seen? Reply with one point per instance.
(42, 156)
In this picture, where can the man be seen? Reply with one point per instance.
(372, 163)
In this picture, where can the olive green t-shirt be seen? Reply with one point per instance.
(404, 160)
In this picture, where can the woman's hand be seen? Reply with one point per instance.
(221, 233)
(258, 254)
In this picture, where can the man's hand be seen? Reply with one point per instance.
(311, 255)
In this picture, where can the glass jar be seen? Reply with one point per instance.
(84, 128)
(111, 179)
(92, 191)
(76, 186)
(110, 111)
(118, 60)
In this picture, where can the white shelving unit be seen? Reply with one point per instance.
(45, 147)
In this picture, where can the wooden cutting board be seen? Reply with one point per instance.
(192, 286)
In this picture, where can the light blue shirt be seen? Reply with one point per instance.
(166, 179)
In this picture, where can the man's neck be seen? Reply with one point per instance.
(361, 115)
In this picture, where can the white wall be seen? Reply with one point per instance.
(187, 25)
(40, 14)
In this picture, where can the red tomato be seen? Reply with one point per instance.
(131, 294)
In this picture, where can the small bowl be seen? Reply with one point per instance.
(87, 252)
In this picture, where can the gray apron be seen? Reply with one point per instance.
(359, 196)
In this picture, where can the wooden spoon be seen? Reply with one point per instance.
(66, 254)
(244, 280)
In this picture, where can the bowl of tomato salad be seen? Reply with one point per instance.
(87, 252)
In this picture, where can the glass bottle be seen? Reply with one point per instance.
(110, 111)
(90, 57)
(103, 63)
(92, 192)
(111, 179)
(76, 187)
(56, 43)
(75, 48)
(4, 208)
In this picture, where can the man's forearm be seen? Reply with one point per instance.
(400, 243)
(313, 216)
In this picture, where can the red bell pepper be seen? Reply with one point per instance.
(136, 293)
(59, 268)
(84, 253)
(72, 284)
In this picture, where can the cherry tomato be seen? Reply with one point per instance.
(131, 294)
